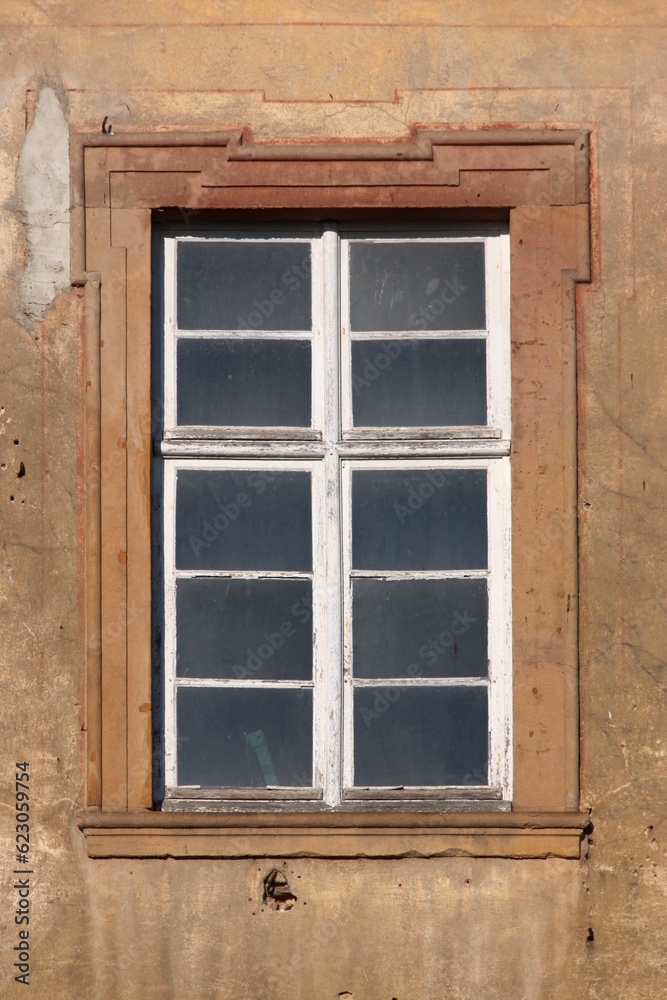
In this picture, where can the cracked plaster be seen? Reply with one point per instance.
(42, 187)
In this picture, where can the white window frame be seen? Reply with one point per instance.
(331, 449)
(498, 680)
(318, 683)
(172, 335)
(496, 259)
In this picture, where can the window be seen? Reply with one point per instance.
(333, 501)
(537, 183)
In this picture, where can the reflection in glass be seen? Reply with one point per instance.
(419, 519)
(243, 285)
(256, 383)
(242, 519)
(244, 738)
(420, 736)
(418, 383)
(244, 629)
(420, 628)
(417, 285)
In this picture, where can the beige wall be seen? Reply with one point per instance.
(404, 929)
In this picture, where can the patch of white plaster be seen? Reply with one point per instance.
(42, 187)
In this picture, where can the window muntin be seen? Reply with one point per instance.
(469, 548)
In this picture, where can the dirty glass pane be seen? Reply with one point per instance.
(419, 519)
(242, 738)
(258, 629)
(418, 383)
(420, 628)
(243, 520)
(243, 285)
(417, 285)
(420, 736)
(257, 383)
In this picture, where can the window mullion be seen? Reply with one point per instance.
(327, 600)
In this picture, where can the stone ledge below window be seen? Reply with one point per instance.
(358, 835)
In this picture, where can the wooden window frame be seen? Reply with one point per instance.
(335, 448)
(538, 181)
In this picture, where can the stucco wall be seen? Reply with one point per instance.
(408, 929)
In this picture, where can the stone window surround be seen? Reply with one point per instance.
(538, 180)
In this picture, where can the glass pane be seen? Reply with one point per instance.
(242, 738)
(419, 519)
(257, 383)
(417, 286)
(418, 383)
(245, 628)
(420, 628)
(420, 736)
(243, 285)
(242, 519)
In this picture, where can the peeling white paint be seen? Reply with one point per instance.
(42, 186)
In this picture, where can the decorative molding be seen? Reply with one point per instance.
(494, 168)
(183, 835)
(538, 179)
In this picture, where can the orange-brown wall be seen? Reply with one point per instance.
(407, 929)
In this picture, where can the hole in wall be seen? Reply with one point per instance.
(277, 893)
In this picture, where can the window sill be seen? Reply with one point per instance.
(475, 798)
(333, 835)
